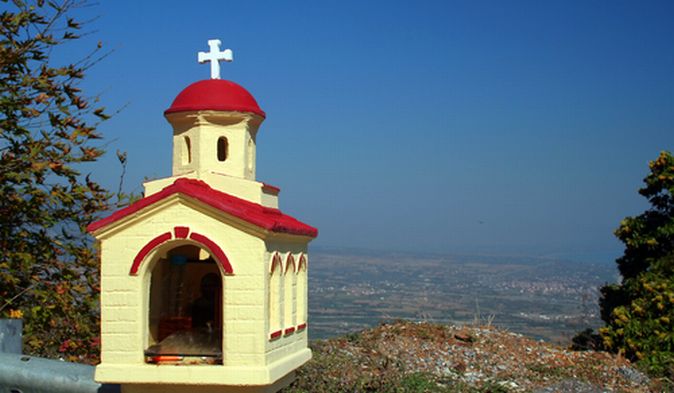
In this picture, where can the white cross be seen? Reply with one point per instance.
(214, 56)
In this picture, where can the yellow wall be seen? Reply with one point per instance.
(249, 358)
(277, 349)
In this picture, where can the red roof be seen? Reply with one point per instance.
(216, 95)
(264, 217)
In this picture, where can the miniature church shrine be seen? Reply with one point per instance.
(204, 279)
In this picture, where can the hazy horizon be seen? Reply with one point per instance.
(571, 256)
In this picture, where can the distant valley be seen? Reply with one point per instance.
(543, 298)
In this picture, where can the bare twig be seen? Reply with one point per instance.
(8, 302)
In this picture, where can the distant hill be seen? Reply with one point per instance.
(544, 298)
(424, 357)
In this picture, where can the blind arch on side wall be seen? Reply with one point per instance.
(275, 290)
(290, 284)
(302, 294)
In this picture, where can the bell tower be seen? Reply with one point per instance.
(215, 123)
(216, 141)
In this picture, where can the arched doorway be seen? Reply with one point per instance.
(185, 308)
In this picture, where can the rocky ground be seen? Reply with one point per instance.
(423, 357)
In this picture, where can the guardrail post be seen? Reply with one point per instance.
(10, 335)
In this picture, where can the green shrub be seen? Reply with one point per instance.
(644, 329)
(639, 311)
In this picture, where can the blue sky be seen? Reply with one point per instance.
(520, 127)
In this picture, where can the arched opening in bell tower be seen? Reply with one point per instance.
(186, 151)
(223, 149)
(185, 308)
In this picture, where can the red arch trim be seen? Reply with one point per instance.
(181, 233)
(302, 262)
(276, 260)
(290, 259)
(215, 249)
(151, 245)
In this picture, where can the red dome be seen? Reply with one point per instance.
(215, 95)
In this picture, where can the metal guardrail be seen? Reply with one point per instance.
(27, 374)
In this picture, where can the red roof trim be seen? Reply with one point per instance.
(301, 326)
(263, 217)
(215, 250)
(151, 245)
(289, 330)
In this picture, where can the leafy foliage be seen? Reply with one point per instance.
(639, 312)
(48, 268)
(650, 235)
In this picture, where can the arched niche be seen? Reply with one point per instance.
(184, 279)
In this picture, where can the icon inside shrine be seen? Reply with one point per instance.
(185, 321)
